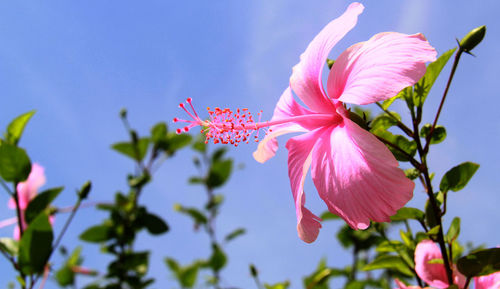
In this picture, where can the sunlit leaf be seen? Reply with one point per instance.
(458, 177)
(15, 165)
(16, 127)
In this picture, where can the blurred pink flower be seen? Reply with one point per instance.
(491, 281)
(27, 190)
(434, 274)
(402, 285)
(355, 174)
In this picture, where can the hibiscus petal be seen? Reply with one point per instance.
(379, 68)
(307, 74)
(299, 160)
(433, 274)
(285, 108)
(357, 176)
(491, 281)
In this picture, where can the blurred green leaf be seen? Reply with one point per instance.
(40, 203)
(329, 216)
(480, 263)
(281, 285)
(406, 238)
(408, 213)
(128, 149)
(219, 173)
(186, 276)
(434, 231)
(35, 245)
(438, 135)
(96, 234)
(389, 262)
(456, 178)
(15, 165)
(236, 233)
(9, 245)
(390, 246)
(154, 224)
(424, 85)
(16, 127)
(199, 144)
(320, 277)
(412, 173)
(218, 259)
(65, 276)
(197, 216)
(177, 141)
(159, 132)
(453, 231)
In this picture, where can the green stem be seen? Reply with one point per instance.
(448, 84)
(400, 124)
(435, 208)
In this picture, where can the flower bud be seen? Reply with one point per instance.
(473, 38)
(123, 113)
(84, 191)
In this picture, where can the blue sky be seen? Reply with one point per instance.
(78, 63)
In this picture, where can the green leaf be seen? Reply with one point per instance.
(236, 233)
(406, 238)
(40, 203)
(96, 234)
(178, 141)
(385, 121)
(456, 178)
(219, 173)
(453, 231)
(281, 285)
(16, 127)
(65, 276)
(186, 276)
(15, 165)
(480, 263)
(199, 144)
(434, 231)
(218, 154)
(390, 246)
(218, 258)
(424, 85)
(412, 173)
(36, 245)
(438, 135)
(436, 261)
(129, 149)
(408, 213)
(389, 262)
(410, 147)
(154, 224)
(197, 216)
(159, 132)
(386, 103)
(329, 216)
(9, 245)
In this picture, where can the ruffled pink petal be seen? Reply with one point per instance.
(307, 74)
(433, 274)
(28, 189)
(379, 68)
(299, 160)
(491, 281)
(357, 176)
(285, 108)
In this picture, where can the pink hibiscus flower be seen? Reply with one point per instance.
(434, 274)
(27, 190)
(491, 281)
(355, 174)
